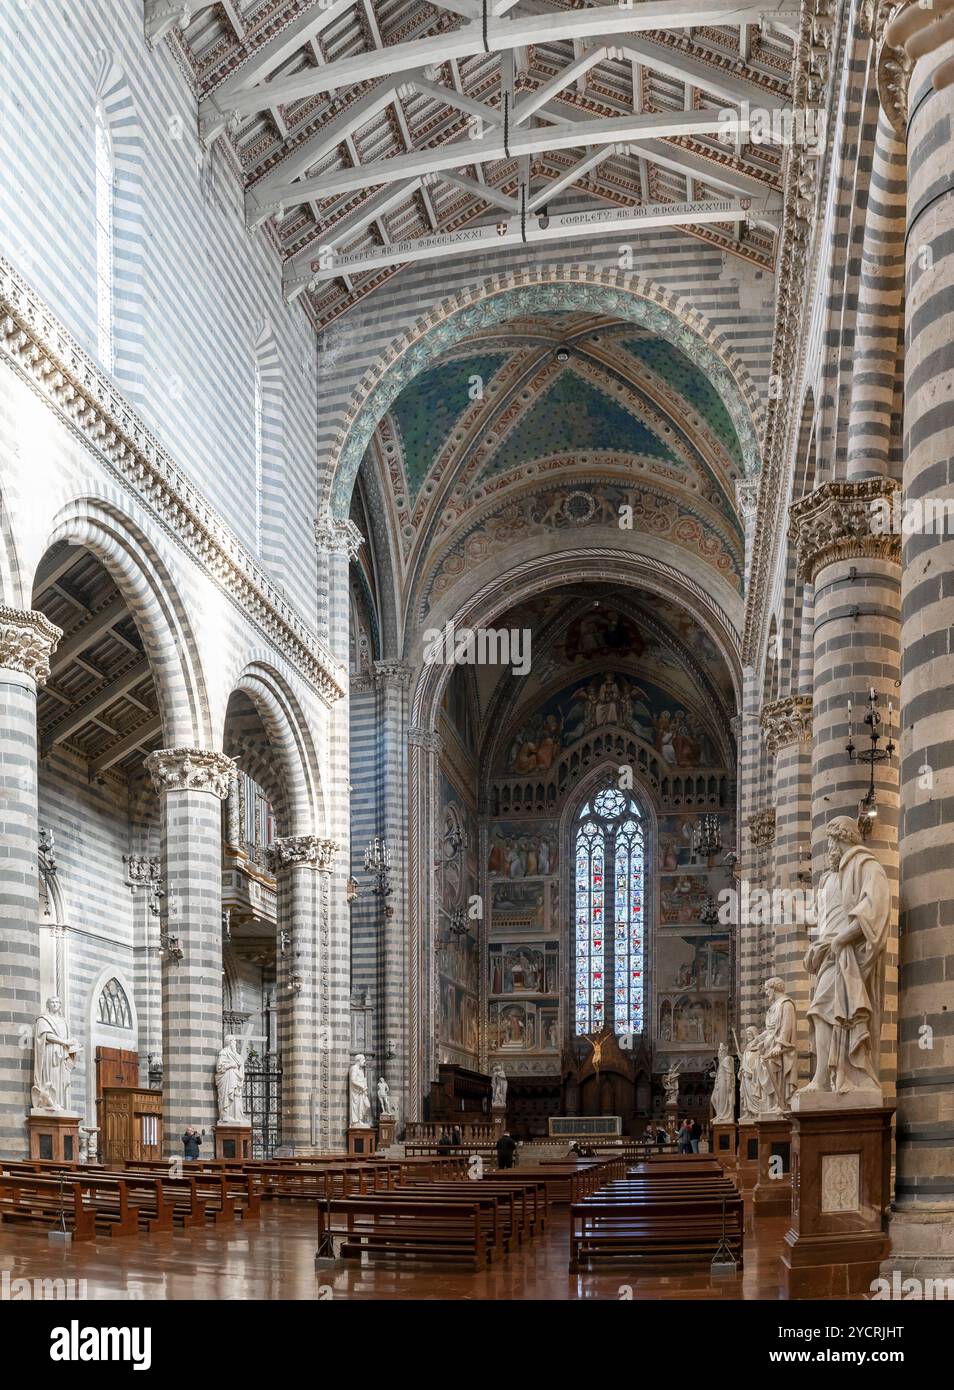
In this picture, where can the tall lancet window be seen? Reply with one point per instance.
(609, 922)
(104, 242)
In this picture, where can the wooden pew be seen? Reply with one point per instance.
(654, 1232)
(39, 1200)
(407, 1228)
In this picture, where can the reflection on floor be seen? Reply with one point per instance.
(274, 1259)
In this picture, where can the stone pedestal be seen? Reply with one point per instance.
(772, 1195)
(747, 1155)
(54, 1136)
(233, 1141)
(498, 1119)
(385, 1131)
(724, 1143)
(840, 1180)
(361, 1142)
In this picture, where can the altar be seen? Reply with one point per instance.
(585, 1126)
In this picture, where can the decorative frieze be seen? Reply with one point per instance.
(40, 350)
(787, 721)
(836, 522)
(302, 850)
(27, 641)
(762, 828)
(190, 769)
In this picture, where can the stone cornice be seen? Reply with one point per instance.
(787, 721)
(304, 851)
(27, 641)
(40, 350)
(835, 523)
(190, 769)
(803, 181)
(762, 828)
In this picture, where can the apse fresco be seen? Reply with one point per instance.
(524, 1027)
(524, 967)
(523, 849)
(458, 956)
(610, 699)
(523, 905)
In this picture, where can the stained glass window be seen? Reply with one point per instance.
(609, 925)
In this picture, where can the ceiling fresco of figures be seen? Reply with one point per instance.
(601, 658)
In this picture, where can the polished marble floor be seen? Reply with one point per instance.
(274, 1259)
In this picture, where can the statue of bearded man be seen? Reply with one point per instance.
(846, 961)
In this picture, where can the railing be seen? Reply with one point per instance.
(707, 789)
(430, 1131)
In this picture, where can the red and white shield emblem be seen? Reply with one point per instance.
(501, 229)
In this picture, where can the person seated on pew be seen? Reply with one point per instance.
(662, 1138)
(191, 1140)
(506, 1148)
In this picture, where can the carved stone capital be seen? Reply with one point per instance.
(762, 828)
(336, 537)
(308, 851)
(396, 673)
(190, 769)
(427, 739)
(894, 65)
(842, 521)
(27, 641)
(787, 721)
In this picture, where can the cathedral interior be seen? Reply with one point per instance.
(476, 660)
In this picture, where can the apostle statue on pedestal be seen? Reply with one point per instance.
(774, 1051)
(230, 1083)
(846, 961)
(358, 1098)
(54, 1057)
(498, 1081)
(751, 1100)
(723, 1091)
(671, 1083)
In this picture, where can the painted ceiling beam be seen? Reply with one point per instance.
(568, 75)
(297, 271)
(237, 98)
(162, 16)
(569, 226)
(95, 704)
(481, 190)
(583, 166)
(136, 738)
(685, 68)
(461, 154)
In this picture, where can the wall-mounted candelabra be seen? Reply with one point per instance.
(377, 863)
(873, 754)
(707, 837)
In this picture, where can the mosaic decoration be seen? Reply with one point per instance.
(685, 378)
(636, 305)
(428, 411)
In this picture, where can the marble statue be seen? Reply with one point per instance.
(671, 1083)
(359, 1100)
(385, 1106)
(774, 1049)
(723, 1092)
(846, 962)
(230, 1082)
(54, 1057)
(498, 1078)
(751, 1100)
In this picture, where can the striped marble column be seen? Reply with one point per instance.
(392, 679)
(852, 561)
(192, 784)
(338, 543)
(27, 640)
(424, 746)
(748, 737)
(922, 1223)
(300, 864)
(787, 725)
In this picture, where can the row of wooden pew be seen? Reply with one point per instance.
(667, 1212)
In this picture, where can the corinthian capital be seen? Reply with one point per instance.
(190, 769)
(762, 828)
(843, 521)
(307, 851)
(787, 721)
(334, 537)
(27, 641)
